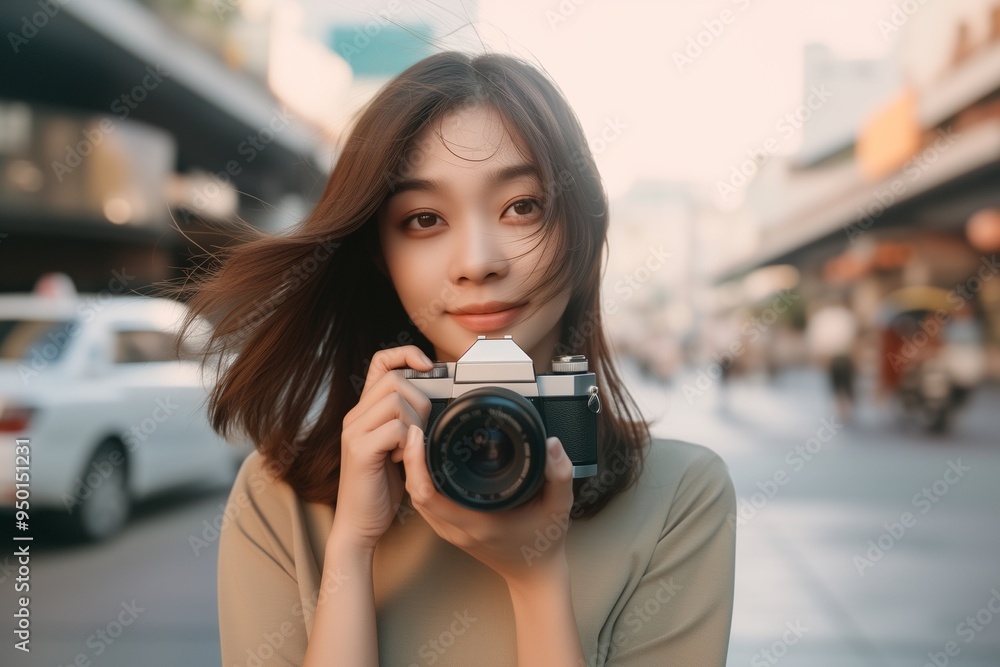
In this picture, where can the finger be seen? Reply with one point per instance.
(418, 480)
(395, 484)
(389, 407)
(392, 383)
(557, 495)
(397, 454)
(370, 452)
(438, 511)
(395, 357)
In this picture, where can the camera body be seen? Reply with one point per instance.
(490, 417)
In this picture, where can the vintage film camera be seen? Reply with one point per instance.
(490, 417)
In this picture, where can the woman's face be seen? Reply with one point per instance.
(461, 230)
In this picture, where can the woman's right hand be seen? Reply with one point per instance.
(371, 447)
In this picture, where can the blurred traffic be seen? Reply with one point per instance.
(116, 414)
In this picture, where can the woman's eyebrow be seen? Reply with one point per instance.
(512, 172)
(498, 177)
(405, 185)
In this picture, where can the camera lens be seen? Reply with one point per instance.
(492, 452)
(487, 449)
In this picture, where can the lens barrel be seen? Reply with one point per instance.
(486, 449)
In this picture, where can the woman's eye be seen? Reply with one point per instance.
(423, 220)
(526, 207)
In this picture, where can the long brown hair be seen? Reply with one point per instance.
(297, 316)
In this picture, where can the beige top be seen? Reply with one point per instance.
(652, 575)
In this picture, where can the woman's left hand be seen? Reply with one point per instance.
(518, 544)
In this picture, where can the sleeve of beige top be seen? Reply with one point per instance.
(260, 611)
(681, 611)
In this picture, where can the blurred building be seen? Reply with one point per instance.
(651, 301)
(132, 133)
(910, 197)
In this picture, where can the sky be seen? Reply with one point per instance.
(689, 88)
(671, 89)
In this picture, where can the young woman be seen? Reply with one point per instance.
(465, 202)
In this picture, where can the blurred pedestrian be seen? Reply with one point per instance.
(830, 334)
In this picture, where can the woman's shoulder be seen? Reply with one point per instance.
(683, 492)
(257, 475)
(264, 514)
(684, 463)
(679, 476)
(259, 496)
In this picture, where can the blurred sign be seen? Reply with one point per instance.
(890, 138)
(380, 48)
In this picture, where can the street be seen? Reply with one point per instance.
(143, 598)
(857, 544)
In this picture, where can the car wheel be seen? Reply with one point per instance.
(106, 510)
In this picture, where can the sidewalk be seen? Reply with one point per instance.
(840, 558)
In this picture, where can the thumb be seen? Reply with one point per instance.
(558, 494)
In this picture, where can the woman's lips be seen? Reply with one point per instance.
(488, 322)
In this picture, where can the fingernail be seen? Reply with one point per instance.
(555, 449)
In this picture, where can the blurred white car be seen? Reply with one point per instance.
(112, 415)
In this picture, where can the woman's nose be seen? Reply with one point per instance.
(479, 252)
